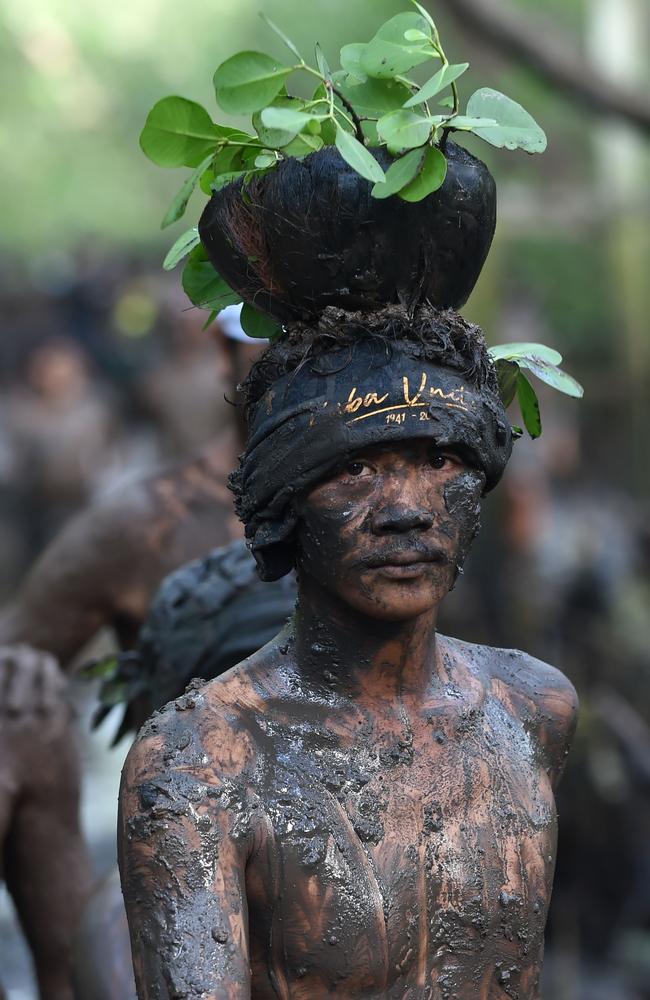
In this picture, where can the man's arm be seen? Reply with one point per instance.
(558, 712)
(184, 839)
(546, 702)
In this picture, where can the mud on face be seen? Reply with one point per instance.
(388, 533)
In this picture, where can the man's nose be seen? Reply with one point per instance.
(398, 518)
(402, 507)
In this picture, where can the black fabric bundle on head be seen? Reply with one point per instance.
(424, 377)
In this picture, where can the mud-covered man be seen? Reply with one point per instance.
(364, 808)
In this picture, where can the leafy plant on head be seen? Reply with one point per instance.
(371, 102)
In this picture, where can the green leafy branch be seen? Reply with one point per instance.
(367, 104)
(541, 361)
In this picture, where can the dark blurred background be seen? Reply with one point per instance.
(104, 369)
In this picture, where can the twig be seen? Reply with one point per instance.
(355, 118)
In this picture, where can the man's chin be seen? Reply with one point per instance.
(398, 596)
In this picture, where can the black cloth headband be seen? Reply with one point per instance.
(313, 419)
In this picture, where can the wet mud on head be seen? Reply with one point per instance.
(322, 396)
(463, 496)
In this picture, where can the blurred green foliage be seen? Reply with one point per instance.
(78, 78)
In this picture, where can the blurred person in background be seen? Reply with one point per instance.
(185, 393)
(42, 853)
(59, 427)
(103, 567)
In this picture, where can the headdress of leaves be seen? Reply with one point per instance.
(370, 102)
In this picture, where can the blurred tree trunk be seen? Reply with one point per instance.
(615, 35)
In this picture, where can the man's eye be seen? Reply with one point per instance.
(356, 468)
(443, 460)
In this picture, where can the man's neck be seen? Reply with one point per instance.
(362, 655)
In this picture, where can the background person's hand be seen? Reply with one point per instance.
(31, 682)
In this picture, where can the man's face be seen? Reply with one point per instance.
(389, 531)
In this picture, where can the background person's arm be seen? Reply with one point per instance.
(69, 594)
(103, 568)
(46, 865)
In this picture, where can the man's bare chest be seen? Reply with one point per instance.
(409, 853)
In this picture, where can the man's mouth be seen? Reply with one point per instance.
(406, 563)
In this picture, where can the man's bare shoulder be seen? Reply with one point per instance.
(211, 725)
(538, 694)
(524, 675)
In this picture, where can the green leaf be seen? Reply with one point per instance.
(554, 377)
(278, 31)
(229, 162)
(443, 78)
(374, 98)
(183, 245)
(507, 374)
(529, 406)
(257, 324)
(177, 208)
(542, 361)
(359, 158)
(203, 286)
(231, 157)
(276, 138)
(389, 54)
(288, 120)
(514, 352)
(464, 123)
(249, 81)
(516, 129)
(105, 666)
(371, 135)
(396, 27)
(415, 35)
(426, 15)
(399, 174)
(178, 133)
(303, 145)
(265, 160)
(210, 320)
(446, 102)
(386, 60)
(431, 176)
(227, 178)
(206, 181)
(322, 63)
(404, 129)
(350, 59)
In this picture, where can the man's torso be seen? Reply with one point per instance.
(399, 853)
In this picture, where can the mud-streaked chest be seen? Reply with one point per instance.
(402, 859)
